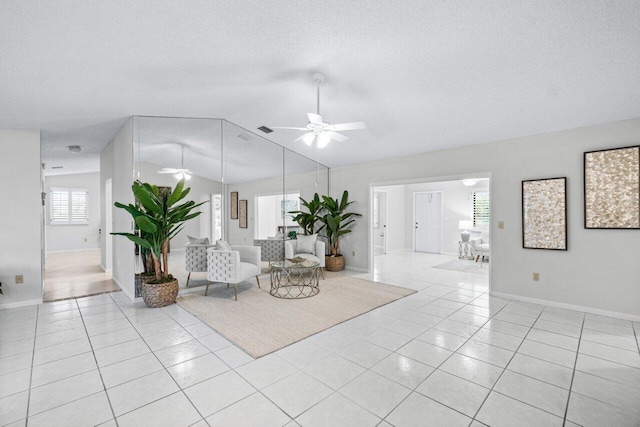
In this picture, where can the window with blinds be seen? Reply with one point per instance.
(480, 208)
(69, 206)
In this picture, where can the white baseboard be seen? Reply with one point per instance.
(74, 250)
(568, 306)
(20, 303)
(359, 270)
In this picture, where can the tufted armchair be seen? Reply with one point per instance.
(234, 266)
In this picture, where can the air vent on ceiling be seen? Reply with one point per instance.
(265, 129)
(57, 167)
(245, 137)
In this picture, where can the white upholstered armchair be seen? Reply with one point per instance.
(314, 252)
(234, 266)
(481, 247)
(195, 259)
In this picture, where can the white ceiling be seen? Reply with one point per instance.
(423, 74)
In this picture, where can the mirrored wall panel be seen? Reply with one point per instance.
(248, 183)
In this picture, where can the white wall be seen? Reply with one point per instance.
(20, 217)
(116, 162)
(599, 271)
(303, 183)
(75, 237)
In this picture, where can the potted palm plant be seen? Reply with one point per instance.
(336, 223)
(307, 220)
(159, 218)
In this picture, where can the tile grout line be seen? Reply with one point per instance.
(573, 374)
(635, 333)
(503, 371)
(104, 386)
(445, 360)
(33, 356)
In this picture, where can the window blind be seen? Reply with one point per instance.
(481, 208)
(69, 206)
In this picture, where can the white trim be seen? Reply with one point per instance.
(20, 303)
(75, 250)
(574, 307)
(122, 288)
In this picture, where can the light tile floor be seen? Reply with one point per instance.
(447, 355)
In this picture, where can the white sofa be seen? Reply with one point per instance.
(234, 266)
(291, 251)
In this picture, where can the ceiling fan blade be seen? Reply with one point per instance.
(284, 127)
(337, 136)
(316, 119)
(168, 170)
(348, 126)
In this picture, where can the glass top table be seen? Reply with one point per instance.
(293, 279)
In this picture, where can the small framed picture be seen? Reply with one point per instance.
(544, 214)
(242, 211)
(233, 204)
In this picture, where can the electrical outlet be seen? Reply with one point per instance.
(501, 225)
(353, 253)
(536, 277)
(19, 279)
(85, 240)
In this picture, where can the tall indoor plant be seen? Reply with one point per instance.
(336, 223)
(159, 218)
(307, 220)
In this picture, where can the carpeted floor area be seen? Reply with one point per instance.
(465, 265)
(261, 324)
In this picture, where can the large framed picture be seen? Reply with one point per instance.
(544, 214)
(233, 205)
(242, 213)
(612, 188)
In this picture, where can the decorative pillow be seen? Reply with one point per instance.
(221, 245)
(306, 244)
(198, 240)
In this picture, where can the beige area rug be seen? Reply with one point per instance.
(261, 324)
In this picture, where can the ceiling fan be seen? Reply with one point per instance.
(181, 172)
(320, 131)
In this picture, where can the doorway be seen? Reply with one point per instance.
(379, 216)
(427, 214)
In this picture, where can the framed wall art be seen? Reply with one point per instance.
(544, 214)
(234, 205)
(242, 213)
(612, 188)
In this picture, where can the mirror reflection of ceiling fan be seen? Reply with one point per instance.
(180, 172)
(320, 131)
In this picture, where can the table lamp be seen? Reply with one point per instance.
(465, 225)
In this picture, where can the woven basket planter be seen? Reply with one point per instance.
(334, 263)
(160, 295)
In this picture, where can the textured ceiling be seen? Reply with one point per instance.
(423, 74)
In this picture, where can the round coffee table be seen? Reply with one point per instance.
(293, 280)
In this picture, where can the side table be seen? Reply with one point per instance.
(465, 250)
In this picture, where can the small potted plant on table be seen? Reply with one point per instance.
(159, 218)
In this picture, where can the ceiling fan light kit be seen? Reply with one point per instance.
(319, 131)
(178, 173)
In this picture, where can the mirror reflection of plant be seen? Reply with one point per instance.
(307, 220)
(337, 222)
(159, 219)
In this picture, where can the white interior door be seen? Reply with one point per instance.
(428, 222)
(108, 224)
(379, 223)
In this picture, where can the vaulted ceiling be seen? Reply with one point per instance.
(423, 74)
